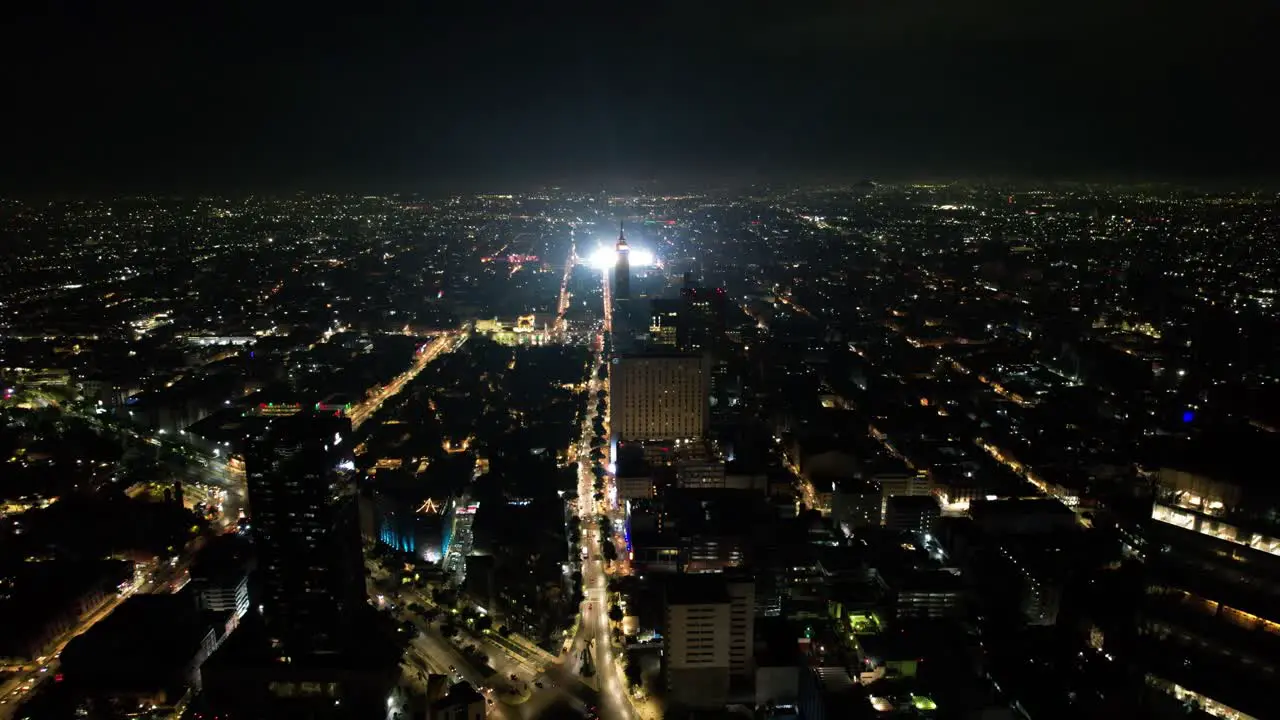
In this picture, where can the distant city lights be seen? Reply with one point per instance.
(605, 258)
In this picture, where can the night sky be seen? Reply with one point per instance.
(476, 95)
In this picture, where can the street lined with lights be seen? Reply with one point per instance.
(447, 342)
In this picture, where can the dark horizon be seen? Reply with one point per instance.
(460, 98)
(620, 187)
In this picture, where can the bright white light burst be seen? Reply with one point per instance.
(605, 258)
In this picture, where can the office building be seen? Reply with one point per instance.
(664, 322)
(894, 484)
(709, 638)
(714, 529)
(916, 514)
(658, 397)
(220, 576)
(693, 323)
(1210, 620)
(855, 503)
(630, 329)
(704, 318)
(698, 466)
(314, 648)
(305, 528)
(926, 594)
(229, 593)
(633, 476)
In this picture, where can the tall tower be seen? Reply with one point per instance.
(306, 528)
(622, 271)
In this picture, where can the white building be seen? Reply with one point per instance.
(228, 594)
(710, 636)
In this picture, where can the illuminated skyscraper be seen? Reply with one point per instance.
(659, 396)
(693, 323)
(622, 271)
(704, 322)
(314, 648)
(305, 527)
(1209, 617)
(665, 326)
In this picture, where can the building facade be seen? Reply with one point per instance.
(1210, 621)
(916, 514)
(710, 638)
(658, 397)
(226, 594)
(306, 529)
(696, 649)
(693, 323)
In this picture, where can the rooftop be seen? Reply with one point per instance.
(697, 590)
(147, 641)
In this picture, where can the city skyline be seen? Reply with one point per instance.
(665, 361)
(892, 427)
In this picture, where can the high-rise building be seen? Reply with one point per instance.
(622, 270)
(306, 529)
(693, 323)
(704, 319)
(696, 647)
(220, 575)
(665, 322)
(314, 648)
(916, 514)
(659, 396)
(894, 484)
(709, 637)
(1209, 633)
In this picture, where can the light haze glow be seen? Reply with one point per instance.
(605, 258)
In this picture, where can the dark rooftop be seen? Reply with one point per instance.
(697, 590)
(143, 643)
